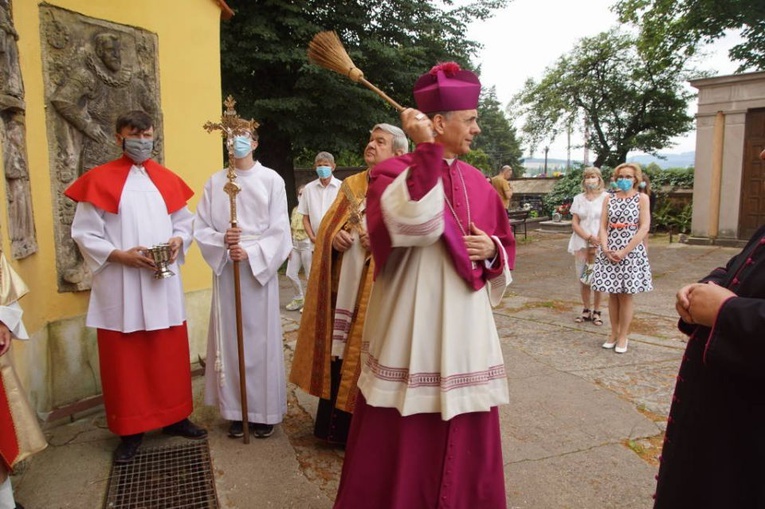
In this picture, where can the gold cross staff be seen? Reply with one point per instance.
(230, 126)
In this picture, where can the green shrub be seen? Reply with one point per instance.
(671, 216)
(675, 178)
(564, 191)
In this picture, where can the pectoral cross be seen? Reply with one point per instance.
(354, 210)
(231, 125)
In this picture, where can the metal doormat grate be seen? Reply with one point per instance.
(171, 477)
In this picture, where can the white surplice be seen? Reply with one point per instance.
(431, 345)
(262, 216)
(123, 298)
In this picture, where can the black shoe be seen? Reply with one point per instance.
(263, 430)
(19, 506)
(185, 429)
(127, 449)
(236, 430)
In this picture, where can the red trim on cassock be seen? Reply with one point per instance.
(146, 378)
(102, 186)
(9, 445)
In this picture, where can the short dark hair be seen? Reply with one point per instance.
(137, 120)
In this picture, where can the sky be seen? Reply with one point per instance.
(527, 36)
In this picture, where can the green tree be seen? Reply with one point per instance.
(498, 138)
(678, 29)
(630, 103)
(480, 159)
(299, 105)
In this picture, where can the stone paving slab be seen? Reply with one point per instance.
(260, 474)
(601, 477)
(570, 349)
(73, 472)
(648, 386)
(558, 413)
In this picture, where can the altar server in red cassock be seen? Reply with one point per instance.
(123, 208)
(425, 432)
(20, 434)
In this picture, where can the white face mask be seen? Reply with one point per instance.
(591, 183)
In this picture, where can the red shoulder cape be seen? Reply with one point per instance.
(102, 186)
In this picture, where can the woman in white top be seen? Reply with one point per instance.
(586, 211)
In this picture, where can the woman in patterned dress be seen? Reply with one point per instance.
(586, 211)
(622, 267)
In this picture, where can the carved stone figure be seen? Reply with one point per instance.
(11, 85)
(21, 224)
(15, 163)
(92, 97)
(94, 70)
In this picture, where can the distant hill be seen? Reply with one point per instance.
(535, 165)
(682, 160)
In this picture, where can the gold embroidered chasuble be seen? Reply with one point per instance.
(311, 362)
(25, 437)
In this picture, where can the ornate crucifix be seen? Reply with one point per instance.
(231, 125)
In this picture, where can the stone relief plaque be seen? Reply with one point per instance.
(21, 225)
(94, 70)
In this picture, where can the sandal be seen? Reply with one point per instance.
(586, 316)
(596, 319)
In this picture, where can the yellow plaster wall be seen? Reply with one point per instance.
(189, 71)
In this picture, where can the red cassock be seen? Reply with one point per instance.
(145, 377)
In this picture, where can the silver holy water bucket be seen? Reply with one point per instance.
(161, 255)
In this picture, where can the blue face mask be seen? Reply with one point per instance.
(624, 184)
(642, 185)
(242, 146)
(323, 171)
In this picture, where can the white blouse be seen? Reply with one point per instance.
(589, 213)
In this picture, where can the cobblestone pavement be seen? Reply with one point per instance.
(582, 430)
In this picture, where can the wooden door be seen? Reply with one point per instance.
(752, 213)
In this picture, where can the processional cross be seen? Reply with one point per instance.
(230, 126)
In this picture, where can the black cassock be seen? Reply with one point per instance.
(714, 451)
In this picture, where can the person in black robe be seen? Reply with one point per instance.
(714, 447)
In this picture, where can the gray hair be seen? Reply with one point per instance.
(324, 156)
(399, 138)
